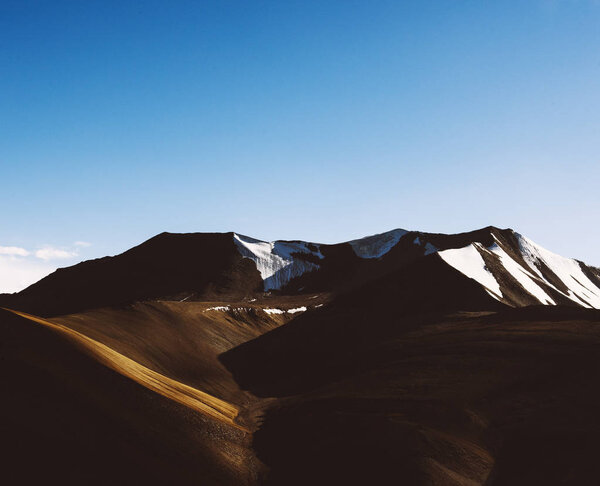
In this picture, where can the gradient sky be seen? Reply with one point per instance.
(323, 120)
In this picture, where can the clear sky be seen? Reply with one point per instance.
(324, 120)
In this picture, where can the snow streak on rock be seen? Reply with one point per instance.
(543, 270)
(580, 288)
(526, 279)
(279, 261)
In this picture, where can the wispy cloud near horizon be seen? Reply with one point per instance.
(20, 267)
(13, 251)
(17, 274)
(50, 253)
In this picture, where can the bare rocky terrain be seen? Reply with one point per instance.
(401, 358)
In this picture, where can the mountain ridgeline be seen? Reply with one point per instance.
(505, 266)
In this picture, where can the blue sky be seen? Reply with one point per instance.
(320, 120)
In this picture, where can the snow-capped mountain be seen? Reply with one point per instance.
(498, 265)
(510, 267)
(529, 269)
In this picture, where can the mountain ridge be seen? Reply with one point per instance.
(199, 266)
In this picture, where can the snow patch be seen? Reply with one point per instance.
(274, 311)
(469, 262)
(580, 288)
(226, 308)
(278, 261)
(218, 308)
(282, 311)
(377, 245)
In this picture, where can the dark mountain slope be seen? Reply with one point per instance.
(342, 269)
(168, 265)
(320, 346)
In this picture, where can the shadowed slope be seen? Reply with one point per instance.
(320, 346)
(385, 394)
(67, 419)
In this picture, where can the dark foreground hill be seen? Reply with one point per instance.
(504, 398)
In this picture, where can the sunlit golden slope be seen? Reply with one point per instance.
(179, 392)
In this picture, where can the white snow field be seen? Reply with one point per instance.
(526, 279)
(274, 259)
(469, 262)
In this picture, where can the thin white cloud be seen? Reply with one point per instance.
(13, 251)
(19, 268)
(50, 253)
(19, 273)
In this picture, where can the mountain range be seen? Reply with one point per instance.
(507, 266)
(216, 358)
